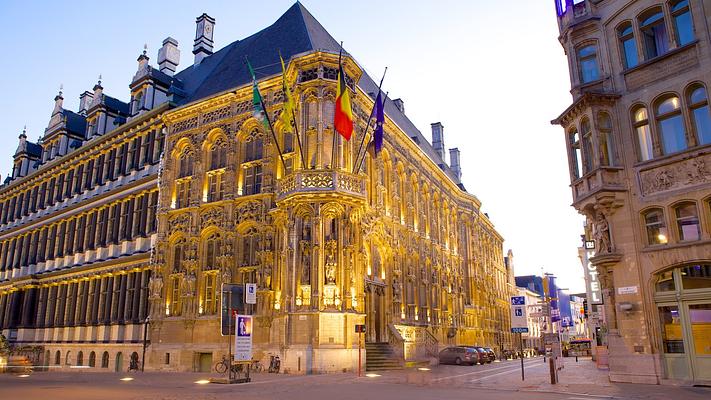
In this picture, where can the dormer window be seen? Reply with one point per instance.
(138, 103)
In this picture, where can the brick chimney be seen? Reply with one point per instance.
(454, 162)
(438, 139)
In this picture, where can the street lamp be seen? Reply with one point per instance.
(145, 333)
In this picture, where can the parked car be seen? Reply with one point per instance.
(482, 356)
(490, 353)
(459, 355)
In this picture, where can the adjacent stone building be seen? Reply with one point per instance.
(638, 138)
(121, 225)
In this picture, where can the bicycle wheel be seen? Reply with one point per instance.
(221, 367)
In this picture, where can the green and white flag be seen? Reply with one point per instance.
(259, 112)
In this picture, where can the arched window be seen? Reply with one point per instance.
(606, 140)
(311, 114)
(654, 33)
(656, 228)
(80, 358)
(213, 249)
(644, 134)
(687, 221)
(92, 359)
(178, 254)
(328, 113)
(575, 153)
(105, 360)
(671, 125)
(175, 299)
(628, 45)
(57, 358)
(254, 149)
(700, 115)
(683, 27)
(288, 144)
(218, 155)
(209, 294)
(588, 65)
(68, 358)
(185, 167)
(587, 146)
(249, 249)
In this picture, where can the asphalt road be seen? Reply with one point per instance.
(440, 382)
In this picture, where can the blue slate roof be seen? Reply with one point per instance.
(295, 32)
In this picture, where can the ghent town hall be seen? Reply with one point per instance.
(130, 216)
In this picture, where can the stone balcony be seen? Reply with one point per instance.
(321, 182)
(602, 179)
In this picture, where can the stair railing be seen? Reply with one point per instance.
(396, 342)
(431, 344)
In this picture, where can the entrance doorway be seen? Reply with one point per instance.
(375, 314)
(204, 362)
(683, 297)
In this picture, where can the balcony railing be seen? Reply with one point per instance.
(321, 181)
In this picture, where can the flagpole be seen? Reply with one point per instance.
(333, 142)
(293, 116)
(271, 128)
(298, 138)
(366, 132)
(266, 115)
(372, 111)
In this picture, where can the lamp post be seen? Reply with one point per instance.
(145, 333)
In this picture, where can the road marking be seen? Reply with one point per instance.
(504, 372)
(482, 371)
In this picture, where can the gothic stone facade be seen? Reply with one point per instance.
(128, 217)
(638, 136)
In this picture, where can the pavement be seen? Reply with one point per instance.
(500, 380)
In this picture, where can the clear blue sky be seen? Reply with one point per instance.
(492, 72)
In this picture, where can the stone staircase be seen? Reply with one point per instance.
(381, 357)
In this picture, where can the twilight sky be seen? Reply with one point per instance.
(492, 72)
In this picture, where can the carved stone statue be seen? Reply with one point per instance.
(155, 286)
(188, 284)
(602, 235)
(267, 276)
(305, 263)
(397, 290)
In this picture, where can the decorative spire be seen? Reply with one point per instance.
(143, 56)
(98, 84)
(23, 135)
(59, 94)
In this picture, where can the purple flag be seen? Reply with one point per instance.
(376, 145)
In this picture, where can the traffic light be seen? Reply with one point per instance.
(585, 308)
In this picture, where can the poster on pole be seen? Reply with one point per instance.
(519, 315)
(250, 293)
(243, 338)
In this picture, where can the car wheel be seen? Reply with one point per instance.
(458, 361)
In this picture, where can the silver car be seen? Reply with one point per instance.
(458, 355)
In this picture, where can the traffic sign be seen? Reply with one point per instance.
(519, 315)
(250, 293)
(243, 338)
(360, 328)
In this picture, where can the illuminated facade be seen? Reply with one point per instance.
(638, 137)
(396, 243)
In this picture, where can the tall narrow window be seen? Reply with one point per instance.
(175, 296)
(671, 126)
(687, 222)
(185, 166)
(606, 140)
(683, 28)
(628, 45)
(218, 156)
(656, 228)
(587, 61)
(209, 299)
(215, 187)
(213, 249)
(699, 106)
(575, 153)
(587, 146)
(182, 196)
(253, 180)
(254, 149)
(654, 34)
(644, 135)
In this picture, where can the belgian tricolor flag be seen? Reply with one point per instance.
(343, 117)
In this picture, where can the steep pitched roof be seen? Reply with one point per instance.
(295, 32)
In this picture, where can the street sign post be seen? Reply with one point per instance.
(360, 330)
(519, 323)
(243, 338)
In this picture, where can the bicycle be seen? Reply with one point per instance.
(257, 366)
(221, 367)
